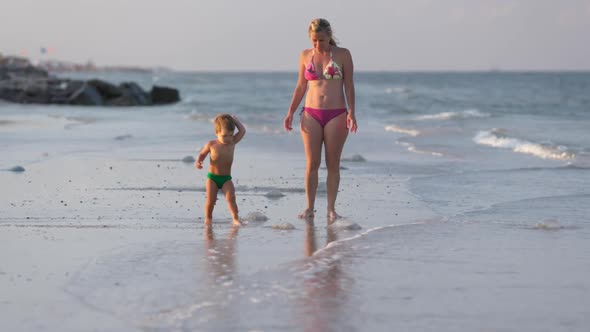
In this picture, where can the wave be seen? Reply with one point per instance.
(466, 114)
(397, 90)
(412, 148)
(371, 230)
(497, 138)
(407, 131)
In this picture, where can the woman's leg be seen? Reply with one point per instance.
(211, 189)
(335, 133)
(312, 135)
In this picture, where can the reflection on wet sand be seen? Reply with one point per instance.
(310, 239)
(220, 255)
(220, 271)
(324, 292)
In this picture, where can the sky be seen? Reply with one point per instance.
(268, 35)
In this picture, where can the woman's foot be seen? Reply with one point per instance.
(307, 214)
(332, 216)
(208, 222)
(237, 222)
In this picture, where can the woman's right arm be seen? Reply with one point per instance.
(298, 93)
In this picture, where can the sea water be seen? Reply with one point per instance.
(497, 165)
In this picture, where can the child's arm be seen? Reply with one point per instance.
(241, 130)
(202, 155)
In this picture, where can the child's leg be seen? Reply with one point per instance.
(230, 195)
(212, 189)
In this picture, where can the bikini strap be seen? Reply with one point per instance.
(332, 62)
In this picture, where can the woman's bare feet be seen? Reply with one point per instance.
(208, 222)
(332, 216)
(307, 214)
(237, 222)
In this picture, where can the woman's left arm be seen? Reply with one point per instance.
(348, 75)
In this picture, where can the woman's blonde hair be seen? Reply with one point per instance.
(322, 25)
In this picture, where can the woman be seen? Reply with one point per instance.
(326, 74)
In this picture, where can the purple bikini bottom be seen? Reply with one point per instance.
(323, 116)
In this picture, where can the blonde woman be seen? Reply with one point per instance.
(326, 81)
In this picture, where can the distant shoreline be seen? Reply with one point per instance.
(376, 71)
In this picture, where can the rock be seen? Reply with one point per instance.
(138, 94)
(164, 95)
(106, 89)
(87, 95)
(274, 194)
(15, 67)
(355, 158)
(21, 82)
(188, 159)
(17, 169)
(123, 137)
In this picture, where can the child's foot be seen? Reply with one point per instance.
(332, 216)
(307, 214)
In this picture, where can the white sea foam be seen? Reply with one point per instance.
(497, 138)
(412, 148)
(344, 224)
(363, 234)
(466, 114)
(283, 226)
(255, 216)
(398, 129)
(198, 116)
(176, 315)
(397, 90)
(549, 224)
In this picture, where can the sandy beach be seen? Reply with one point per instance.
(119, 245)
(141, 217)
(450, 224)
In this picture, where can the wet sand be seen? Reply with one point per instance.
(116, 242)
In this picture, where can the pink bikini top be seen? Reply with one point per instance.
(332, 70)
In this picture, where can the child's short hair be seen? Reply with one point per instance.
(224, 121)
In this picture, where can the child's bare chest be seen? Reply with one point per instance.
(222, 153)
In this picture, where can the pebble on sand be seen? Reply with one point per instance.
(274, 194)
(355, 158)
(17, 169)
(123, 137)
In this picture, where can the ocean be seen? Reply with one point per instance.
(465, 196)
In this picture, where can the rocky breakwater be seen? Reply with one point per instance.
(21, 82)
